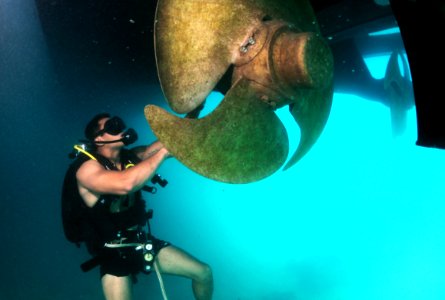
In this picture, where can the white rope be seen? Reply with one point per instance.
(161, 282)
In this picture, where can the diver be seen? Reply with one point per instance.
(103, 207)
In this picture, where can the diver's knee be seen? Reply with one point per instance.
(205, 273)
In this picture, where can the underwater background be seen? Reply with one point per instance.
(361, 216)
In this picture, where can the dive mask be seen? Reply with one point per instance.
(115, 126)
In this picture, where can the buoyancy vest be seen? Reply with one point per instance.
(99, 224)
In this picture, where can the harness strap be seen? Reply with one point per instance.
(137, 246)
(91, 263)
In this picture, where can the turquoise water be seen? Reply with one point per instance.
(359, 217)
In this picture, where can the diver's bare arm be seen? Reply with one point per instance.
(144, 152)
(93, 177)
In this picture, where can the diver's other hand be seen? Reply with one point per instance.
(165, 152)
(153, 149)
(162, 148)
(156, 145)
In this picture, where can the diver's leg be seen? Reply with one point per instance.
(172, 260)
(117, 288)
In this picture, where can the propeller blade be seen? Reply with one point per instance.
(197, 40)
(311, 113)
(296, 12)
(307, 68)
(195, 43)
(241, 141)
(397, 86)
(398, 91)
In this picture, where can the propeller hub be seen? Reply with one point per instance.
(285, 60)
(299, 60)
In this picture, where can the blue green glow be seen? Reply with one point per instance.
(377, 65)
(392, 30)
(359, 217)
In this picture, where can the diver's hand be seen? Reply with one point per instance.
(145, 152)
(167, 153)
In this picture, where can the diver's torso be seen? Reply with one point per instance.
(113, 214)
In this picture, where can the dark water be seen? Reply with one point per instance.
(360, 217)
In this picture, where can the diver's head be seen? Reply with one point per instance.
(104, 129)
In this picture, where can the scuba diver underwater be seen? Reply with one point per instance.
(102, 206)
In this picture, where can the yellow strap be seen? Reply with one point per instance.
(80, 149)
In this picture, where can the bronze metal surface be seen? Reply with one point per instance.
(241, 141)
(278, 59)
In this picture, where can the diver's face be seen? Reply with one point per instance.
(110, 131)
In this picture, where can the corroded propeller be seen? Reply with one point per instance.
(278, 59)
(225, 144)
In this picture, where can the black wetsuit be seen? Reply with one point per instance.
(113, 220)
